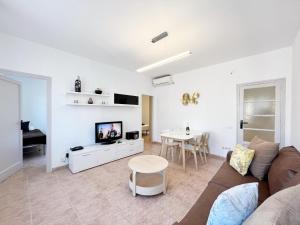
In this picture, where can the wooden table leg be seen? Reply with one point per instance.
(183, 154)
(162, 148)
(134, 183)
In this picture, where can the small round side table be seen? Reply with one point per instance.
(148, 175)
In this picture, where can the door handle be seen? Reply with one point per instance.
(242, 123)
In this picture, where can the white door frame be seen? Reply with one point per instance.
(48, 80)
(280, 83)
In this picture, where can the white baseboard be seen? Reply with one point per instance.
(10, 171)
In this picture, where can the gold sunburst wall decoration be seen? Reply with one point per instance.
(190, 98)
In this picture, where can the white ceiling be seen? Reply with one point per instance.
(118, 32)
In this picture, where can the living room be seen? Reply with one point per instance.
(203, 64)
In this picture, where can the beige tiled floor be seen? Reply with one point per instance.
(99, 196)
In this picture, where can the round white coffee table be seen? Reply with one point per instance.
(148, 175)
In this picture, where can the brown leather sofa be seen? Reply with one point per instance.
(284, 172)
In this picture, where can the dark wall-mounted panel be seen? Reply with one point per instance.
(126, 99)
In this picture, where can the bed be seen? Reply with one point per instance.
(33, 138)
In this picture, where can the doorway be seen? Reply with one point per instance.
(147, 105)
(261, 109)
(35, 118)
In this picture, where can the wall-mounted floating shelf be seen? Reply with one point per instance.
(102, 105)
(82, 98)
(101, 100)
(88, 94)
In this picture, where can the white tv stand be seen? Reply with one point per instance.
(97, 154)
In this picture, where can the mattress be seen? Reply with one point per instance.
(34, 137)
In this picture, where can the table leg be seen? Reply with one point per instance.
(183, 154)
(134, 183)
(162, 148)
(164, 181)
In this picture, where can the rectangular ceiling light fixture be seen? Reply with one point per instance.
(164, 61)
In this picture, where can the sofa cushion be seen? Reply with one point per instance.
(241, 159)
(263, 191)
(295, 180)
(284, 169)
(225, 178)
(233, 206)
(265, 152)
(198, 214)
(228, 178)
(280, 209)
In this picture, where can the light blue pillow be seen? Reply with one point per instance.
(234, 205)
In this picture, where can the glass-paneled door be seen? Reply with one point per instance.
(260, 112)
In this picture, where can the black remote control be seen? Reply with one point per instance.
(76, 148)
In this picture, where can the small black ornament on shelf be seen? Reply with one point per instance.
(98, 91)
(90, 101)
(78, 84)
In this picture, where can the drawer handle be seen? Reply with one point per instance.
(107, 149)
(131, 143)
(85, 154)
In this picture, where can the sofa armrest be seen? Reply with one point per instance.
(228, 156)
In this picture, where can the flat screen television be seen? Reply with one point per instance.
(108, 132)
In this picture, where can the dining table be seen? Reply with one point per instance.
(182, 137)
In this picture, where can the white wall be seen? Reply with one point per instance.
(74, 125)
(217, 107)
(216, 111)
(296, 93)
(34, 101)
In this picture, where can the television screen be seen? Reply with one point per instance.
(108, 131)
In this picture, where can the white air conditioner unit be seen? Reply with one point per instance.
(162, 80)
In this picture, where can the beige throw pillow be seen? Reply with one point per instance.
(265, 152)
(281, 208)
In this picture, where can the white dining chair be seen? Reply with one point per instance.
(193, 146)
(204, 144)
(169, 145)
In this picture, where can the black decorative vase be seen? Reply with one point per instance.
(187, 130)
(90, 101)
(98, 91)
(78, 84)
